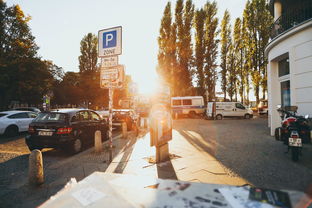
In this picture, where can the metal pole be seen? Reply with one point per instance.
(110, 123)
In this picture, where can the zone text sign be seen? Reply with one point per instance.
(110, 42)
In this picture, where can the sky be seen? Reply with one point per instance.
(60, 25)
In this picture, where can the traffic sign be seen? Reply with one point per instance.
(110, 42)
(109, 61)
(112, 77)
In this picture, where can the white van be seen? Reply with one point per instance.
(219, 110)
(189, 105)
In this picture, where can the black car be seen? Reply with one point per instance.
(69, 129)
(126, 115)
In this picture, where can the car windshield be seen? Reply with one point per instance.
(51, 117)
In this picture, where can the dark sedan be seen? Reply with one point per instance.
(69, 129)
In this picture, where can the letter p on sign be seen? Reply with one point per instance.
(109, 39)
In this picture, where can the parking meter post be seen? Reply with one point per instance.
(98, 142)
(110, 123)
(35, 169)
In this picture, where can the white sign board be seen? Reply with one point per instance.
(112, 77)
(110, 42)
(110, 74)
(109, 61)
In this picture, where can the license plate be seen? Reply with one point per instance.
(45, 133)
(295, 142)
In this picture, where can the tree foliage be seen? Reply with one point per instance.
(258, 21)
(225, 45)
(183, 19)
(211, 51)
(88, 50)
(25, 78)
(200, 49)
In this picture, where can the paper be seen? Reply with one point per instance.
(238, 198)
(88, 196)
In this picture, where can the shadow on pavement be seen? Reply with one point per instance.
(126, 156)
(166, 170)
(4, 139)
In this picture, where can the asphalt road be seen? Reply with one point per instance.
(244, 147)
(247, 150)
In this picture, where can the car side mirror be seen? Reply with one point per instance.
(306, 116)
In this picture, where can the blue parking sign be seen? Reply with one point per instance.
(110, 43)
(110, 39)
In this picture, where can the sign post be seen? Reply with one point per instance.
(112, 74)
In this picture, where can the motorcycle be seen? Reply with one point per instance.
(294, 130)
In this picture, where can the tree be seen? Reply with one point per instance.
(231, 73)
(88, 57)
(211, 51)
(17, 42)
(199, 24)
(225, 44)
(183, 20)
(239, 57)
(258, 22)
(24, 77)
(68, 90)
(167, 49)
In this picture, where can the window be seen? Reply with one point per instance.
(283, 67)
(32, 115)
(187, 102)
(197, 102)
(51, 117)
(176, 102)
(95, 117)
(19, 115)
(2, 114)
(285, 93)
(240, 106)
(83, 115)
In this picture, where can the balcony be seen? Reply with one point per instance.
(292, 17)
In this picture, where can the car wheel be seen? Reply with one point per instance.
(76, 146)
(219, 117)
(247, 116)
(11, 131)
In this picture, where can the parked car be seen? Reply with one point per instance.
(103, 113)
(13, 122)
(126, 115)
(219, 110)
(33, 109)
(263, 107)
(68, 129)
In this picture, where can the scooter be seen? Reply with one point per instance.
(294, 132)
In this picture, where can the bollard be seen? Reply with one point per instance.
(124, 130)
(35, 165)
(98, 141)
(176, 116)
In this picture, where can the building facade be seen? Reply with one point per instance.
(290, 58)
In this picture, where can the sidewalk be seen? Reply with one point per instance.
(189, 162)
